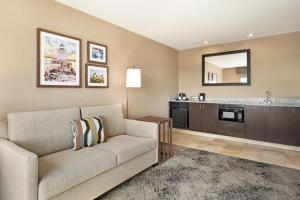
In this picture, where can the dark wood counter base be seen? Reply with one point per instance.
(274, 124)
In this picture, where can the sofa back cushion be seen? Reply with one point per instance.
(112, 116)
(3, 129)
(42, 132)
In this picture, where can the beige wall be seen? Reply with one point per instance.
(275, 65)
(19, 20)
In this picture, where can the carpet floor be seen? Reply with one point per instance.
(196, 175)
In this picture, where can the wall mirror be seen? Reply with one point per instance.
(226, 68)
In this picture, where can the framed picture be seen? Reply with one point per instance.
(214, 78)
(97, 53)
(96, 76)
(209, 77)
(58, 60)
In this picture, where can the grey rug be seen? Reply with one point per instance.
(192, 174)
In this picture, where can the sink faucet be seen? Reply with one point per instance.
(268, 99)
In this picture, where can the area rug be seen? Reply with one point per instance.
(196, 175)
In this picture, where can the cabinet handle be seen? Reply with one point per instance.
(203, 106)
(293, 110)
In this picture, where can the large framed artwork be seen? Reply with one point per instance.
(96, 53)
(58, 60)
(96, 76)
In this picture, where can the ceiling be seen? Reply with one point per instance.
(229, 60)
(184, 24)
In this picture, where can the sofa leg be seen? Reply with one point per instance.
(155, 164)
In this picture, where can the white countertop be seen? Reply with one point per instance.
(292, 103)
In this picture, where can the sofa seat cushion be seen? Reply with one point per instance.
(127, 147)
(62, 170)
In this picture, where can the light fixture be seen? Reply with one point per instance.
(250, 34)
(133, 80)
(205, 42)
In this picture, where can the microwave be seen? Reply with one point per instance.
(231, 113)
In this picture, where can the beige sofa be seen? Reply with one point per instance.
(37, 160)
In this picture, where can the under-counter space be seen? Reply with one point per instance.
(204, 118)
(268, 123)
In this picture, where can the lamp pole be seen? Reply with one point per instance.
(126, 102)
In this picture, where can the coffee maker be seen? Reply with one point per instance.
(201, 97)
(182, 96)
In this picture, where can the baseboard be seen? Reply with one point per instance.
(234, 139)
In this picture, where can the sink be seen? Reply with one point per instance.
(266, 102)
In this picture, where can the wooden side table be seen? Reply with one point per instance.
(165, 128)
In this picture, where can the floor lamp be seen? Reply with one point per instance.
(133, 80)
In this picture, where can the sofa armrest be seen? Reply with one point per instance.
(141, 128)
(18, 172)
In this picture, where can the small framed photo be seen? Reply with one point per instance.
(214, 78)
(96, 76)
(58, 60)
(209, 77)
(97, 53)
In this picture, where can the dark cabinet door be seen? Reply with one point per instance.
(233, 129)
(256, 123)
(195, 116)
(296, 134)
(281, 125)
(210, 118)
(180, 117)
(179, 114)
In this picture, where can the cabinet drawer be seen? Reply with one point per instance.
(234, 129)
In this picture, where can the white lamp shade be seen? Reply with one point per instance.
(133, 78)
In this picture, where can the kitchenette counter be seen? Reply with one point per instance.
(280, 103)
(277, 122)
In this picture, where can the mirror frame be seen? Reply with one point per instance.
(226, 53)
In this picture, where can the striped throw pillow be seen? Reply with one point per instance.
(87, 132)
